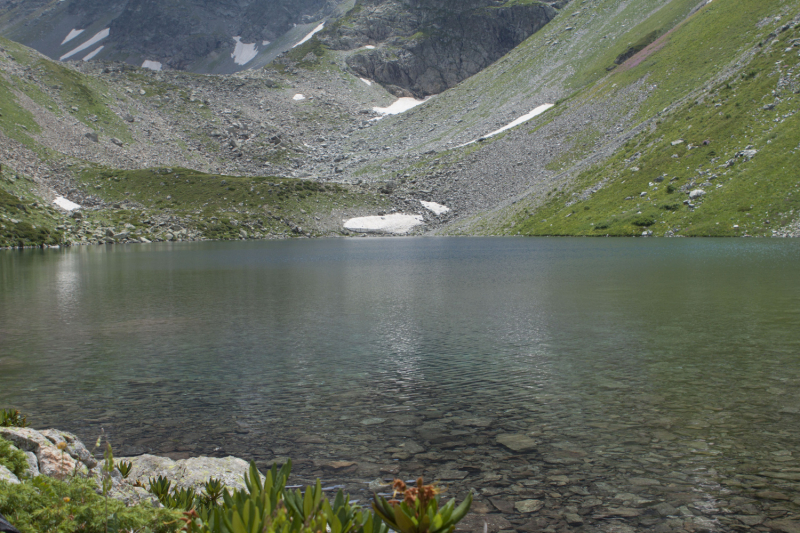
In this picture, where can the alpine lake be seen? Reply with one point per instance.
(611, 385)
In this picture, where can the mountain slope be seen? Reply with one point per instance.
(195, 35)
(628, 78)
(710, 146)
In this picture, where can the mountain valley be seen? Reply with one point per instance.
(668, 117)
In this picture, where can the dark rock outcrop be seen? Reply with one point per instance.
(424, 47)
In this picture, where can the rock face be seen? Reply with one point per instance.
(44, 455)
(189, 473)
(427, 46)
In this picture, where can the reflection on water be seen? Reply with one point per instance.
(657, 378)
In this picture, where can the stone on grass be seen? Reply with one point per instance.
(8, 476)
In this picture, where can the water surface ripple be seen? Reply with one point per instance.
(627, 385)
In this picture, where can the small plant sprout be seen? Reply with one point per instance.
(125, 468)
(419, 512)
(12, 418)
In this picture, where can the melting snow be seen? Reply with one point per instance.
(92, 54)
(400, 105)
(152, 65)
(243, 53)
(436, 209)
(65, 204)
(524, 118)
(99, 36)
(310, 35)
(366, 81)
(298, 97)
(396, 223)
(71, 35)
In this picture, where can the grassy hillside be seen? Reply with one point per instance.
(719, 117)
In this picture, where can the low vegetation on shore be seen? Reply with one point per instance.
(77, 500)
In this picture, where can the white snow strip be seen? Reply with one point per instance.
(366, 81)
(92, 54)
(71, 35)
(310, 35)
(244, 53)
(396, 223)
(152, 65)
(433, 207)
(99, 36)
(524, 118)
(298, 97)
(401, 105)
(369, 47)
(65, 204)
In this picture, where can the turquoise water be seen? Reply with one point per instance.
(670, 360)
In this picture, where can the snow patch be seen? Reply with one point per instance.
(65, 204)
(152, 65)
(401, 105)
(366, 81)
(298, 97)
(369, 47)
(92, 54)
(521, 120)
(397, 223)
(71, 35)
(310, 35)
(99, 36)
(433, 207)
(265, 43)
(243, 53)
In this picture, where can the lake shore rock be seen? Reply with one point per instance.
(46, 458)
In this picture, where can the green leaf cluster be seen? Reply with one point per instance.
(421, 514)
(12, 458)
(265, 506)
(12, 418)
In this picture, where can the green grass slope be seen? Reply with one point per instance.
(721, 118)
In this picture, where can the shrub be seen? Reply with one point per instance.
(643, 221)
(54, 506)
(10, 418)
(12, 458)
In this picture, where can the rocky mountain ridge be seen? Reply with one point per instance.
(426, 47)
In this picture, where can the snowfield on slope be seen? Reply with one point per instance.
(65, 204)
(401, 105)
(433, 207)
(152, 65)
(310, 35)
(71, 35)
(99, 36)
(243, 53)
(397, 224)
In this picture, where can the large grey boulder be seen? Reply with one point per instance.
(189, 473)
